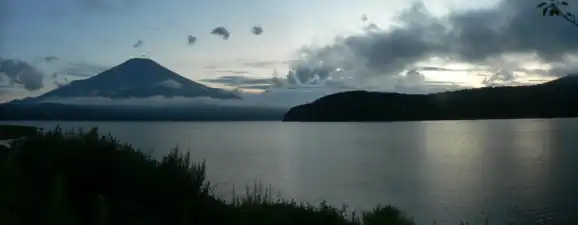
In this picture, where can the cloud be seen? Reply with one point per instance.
(255, 64)
(138, 44)
(435, 68)
(50, 59)
(277, 99)
(414, 82)
(364, 18)
(22, 72)
(256, 86)
(231, 71)
(267, 63)
(472, 36)
(257, 30)
(170, 84)
(239, 80)
(192, 39)
(221, 31)
(217, 66)
(412, 78)
(501, 78)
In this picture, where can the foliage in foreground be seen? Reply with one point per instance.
(70, 178)
(15, 131)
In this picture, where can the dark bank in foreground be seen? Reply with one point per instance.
(554, 99)
(8, 132)
(72, 178)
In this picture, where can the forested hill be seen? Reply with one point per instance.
(556, 98)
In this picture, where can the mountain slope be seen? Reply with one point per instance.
(136, 78)
(552, 99)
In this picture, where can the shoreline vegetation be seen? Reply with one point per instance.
(72, 177)
(8, 132)
(553, 99)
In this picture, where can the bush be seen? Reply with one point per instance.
(70, 178)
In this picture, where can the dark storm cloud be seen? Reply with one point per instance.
(306, 74)
(559, 69)
(257, 30)
(474, 36)
(22, 72)
(221, 31)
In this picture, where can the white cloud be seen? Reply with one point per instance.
(170, 84)
(271, 99)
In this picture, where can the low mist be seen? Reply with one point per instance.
(277, 99)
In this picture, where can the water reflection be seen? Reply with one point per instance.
(508, 170)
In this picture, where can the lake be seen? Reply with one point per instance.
(507, 170)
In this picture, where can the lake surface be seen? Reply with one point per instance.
(507, 170)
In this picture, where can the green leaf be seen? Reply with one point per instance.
(564, 3)
(541, 5)
(545, 11)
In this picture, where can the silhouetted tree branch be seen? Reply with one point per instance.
(554, 8)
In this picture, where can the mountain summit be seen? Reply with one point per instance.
(137, 78)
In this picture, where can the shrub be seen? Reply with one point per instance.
(70, 178)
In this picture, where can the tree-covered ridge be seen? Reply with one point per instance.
(553, 99)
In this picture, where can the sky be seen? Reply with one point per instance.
(403, 46)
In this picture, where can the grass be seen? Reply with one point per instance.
(83, 178)
(15, 131)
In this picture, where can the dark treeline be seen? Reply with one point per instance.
(46, 111)
(553, 99)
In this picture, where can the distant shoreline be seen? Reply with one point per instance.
(554, 99)
(265, 120)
